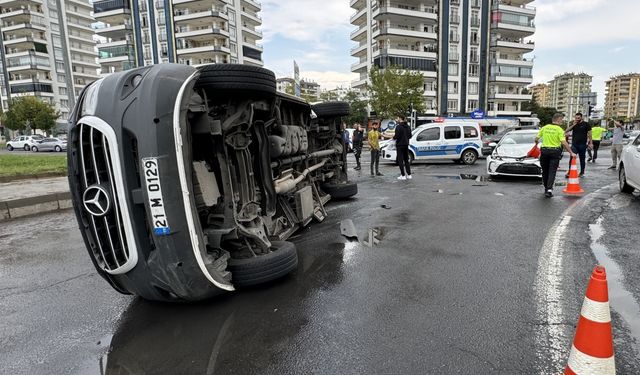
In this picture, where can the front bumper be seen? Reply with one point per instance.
(389, 155)
(521, 167)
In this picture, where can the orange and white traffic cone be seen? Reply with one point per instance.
(592, 349)
(573, 186)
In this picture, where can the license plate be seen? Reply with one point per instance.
(154, 194)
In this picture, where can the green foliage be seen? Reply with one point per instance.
(545, 114)
(28, 112)
(358, 105)
(393, 91)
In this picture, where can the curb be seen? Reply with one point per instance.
(15, 208)
(31, 177)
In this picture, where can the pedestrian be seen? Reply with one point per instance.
(374, 137)
(357, 140)
(596, 137)
(402, 137)
(616, 143)
(580, 140)
(553, 140)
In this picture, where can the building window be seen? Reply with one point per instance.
(232, 17)
(453, 69)
(59, 66)
(62, 78)
(64, 103)
(474, 70)
(473, 88)
(453, 87)
(452, 105)
(232, 33)
(471, 106)
(233, 47)
(62, 90)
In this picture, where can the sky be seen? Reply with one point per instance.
(598, 37)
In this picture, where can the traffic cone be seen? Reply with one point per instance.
(592, 349)
(573, 186)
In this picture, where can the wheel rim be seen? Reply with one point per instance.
(58, 149)
(468, 157)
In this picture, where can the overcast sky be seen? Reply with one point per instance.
(598, 37)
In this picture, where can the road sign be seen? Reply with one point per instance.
(478, 114)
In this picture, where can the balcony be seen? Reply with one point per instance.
(110, 11)
(359, 50)
(506, 111)
(253, 5)
(512, 8)
(513, 45)
(357, 4)
(200, 17)
(511, 77)
(518, 62)
(20, 15)
(359, 67)
(25, 42)
(19, 3)
(9, 27)
(405, 52)
(359, 83)
(251, 18)
(202, 34)
(251, 61)
(359, 34)
(506, 25)
(359, 18)
(27, 62)
(405, 33)
(510, 96)
(118, 54)
(257, 34)
(203, 50)
(420, 15)
(32, 86)
(114, 31)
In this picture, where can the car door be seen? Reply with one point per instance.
(426, 144)
(46, 144)
(21, 142)
(452, 141)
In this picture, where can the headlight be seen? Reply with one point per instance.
(391, 146)
(495, 156)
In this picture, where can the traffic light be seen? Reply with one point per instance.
(590, 109)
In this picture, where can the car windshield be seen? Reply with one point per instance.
(518, 138)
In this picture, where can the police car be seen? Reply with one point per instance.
(455, 141)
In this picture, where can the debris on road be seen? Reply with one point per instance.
(348, 230)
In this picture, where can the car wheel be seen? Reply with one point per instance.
(331, 109)
(26, 147)
(622, 178)
(220, 79)
(260, 269)
(58, 149)
(34, 148)
(469, 157)
(9, 147)
(341, 191)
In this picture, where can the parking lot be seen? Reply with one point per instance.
(448, 286)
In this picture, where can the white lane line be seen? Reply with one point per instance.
(551, 332)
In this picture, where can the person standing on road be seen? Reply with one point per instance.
(402, 137)
(616, 143)
(580, 140)
(553, 140)
(596, 137)
(374, 137)
(357, 140)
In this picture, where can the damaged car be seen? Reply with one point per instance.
(187, 182)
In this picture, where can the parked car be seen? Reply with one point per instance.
(488, 140)
(459, 142)
(629, 167)
(188, 183)
(49, 144)
(509, 158)
(23, 142)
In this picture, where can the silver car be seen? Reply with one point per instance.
(50, 144)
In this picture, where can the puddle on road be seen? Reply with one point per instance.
(460, 177)
(374, 236)
(620, 298)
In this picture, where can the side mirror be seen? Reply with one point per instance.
(493, 144)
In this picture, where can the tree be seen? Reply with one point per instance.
(28, 112)
(358, 105)
(393, 91)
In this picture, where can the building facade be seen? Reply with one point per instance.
(541, 94)
(47, 51)
(623, 96)
(135, 33)
(470, 52)
(569, 91)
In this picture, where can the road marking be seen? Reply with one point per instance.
(551, 333)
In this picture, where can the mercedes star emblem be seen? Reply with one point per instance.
(96, 200)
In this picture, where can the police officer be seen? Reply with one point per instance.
(596, 136)
(553, 140)
(357, 139)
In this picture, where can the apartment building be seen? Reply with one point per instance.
(470, 52)
(135, 33)
(569, 91)
(623, 96)
(47, 51)
(541, 94)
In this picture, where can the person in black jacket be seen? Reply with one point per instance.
(402, 137)
(357, 139)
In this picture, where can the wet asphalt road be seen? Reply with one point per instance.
(448, 289)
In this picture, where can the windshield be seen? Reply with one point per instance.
(518, 138)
